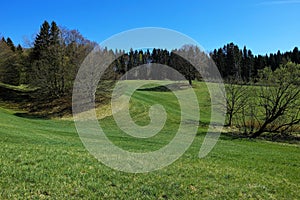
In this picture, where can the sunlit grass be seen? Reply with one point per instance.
(45, 159)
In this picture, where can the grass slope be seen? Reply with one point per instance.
(45, 159)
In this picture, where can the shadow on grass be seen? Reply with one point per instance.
(166, 88)
(31, 116)
(291, 138)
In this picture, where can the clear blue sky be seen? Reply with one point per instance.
(264, 26)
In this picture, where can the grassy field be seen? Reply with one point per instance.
(45, 159)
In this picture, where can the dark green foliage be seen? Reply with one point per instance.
(132, 59)
(10, 43)
(9, 63)
(42, 41)
(54, 34)
(54, 60)
(19, 48)
(295, 57)
(242, 65)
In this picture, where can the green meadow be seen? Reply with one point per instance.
(45, 159)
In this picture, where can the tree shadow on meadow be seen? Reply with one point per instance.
(31, 115)
(166, 88)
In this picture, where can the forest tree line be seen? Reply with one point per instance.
(51, 64)
(242, 65)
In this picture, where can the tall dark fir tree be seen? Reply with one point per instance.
(42, 41)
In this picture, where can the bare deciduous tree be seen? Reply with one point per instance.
(236, 97)
(279, 100)
(272, 107)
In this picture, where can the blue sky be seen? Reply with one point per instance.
(264, 26)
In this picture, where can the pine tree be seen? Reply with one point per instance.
(54, 34)
(278, 59)
(250, 64)
(10, 43)
(221, 62)
(245, 65)
(41, 42)
(295, 55)
(19, 48)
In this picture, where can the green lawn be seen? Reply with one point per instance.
(45, 159)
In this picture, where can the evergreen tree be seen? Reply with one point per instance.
(42, 41)
(295, 56)
(10, 43)
(233, 60)
(220, 60)
(278, 59)
(250, 65)
(54, 34)
(19, 48)
(9, 72)
(245, 65)
(272, 62)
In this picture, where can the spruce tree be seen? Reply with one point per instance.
(54, 34)
(10, 43)
(19, 48)
(42, 41)
(250, 64)
(296, 55)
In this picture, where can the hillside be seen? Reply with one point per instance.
(43, 158)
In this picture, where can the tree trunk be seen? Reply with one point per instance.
(260, 131)
(230, 120)
(190, 81)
